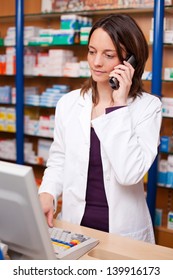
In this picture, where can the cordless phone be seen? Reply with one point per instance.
(113, 81)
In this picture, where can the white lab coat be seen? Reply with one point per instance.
(129, 139)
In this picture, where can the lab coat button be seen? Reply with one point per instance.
(108, 178)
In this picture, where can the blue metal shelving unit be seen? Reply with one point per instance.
(156, 89)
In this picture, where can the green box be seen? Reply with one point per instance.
(1, 42)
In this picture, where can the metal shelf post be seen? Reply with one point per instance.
(19, 82)
(156, 89)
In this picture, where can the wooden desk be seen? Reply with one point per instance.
(115, 247)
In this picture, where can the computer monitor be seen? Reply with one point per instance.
(23, 226)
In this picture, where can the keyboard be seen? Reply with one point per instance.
(70, 245)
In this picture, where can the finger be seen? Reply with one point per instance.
(124, 74)
(128, 65)
(50, 218)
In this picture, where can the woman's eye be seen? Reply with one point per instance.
(91, 52)
(109, 56)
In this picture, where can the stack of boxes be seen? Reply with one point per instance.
(68, 34)
(29, 32)
(2, 64)
(8, 149)
(10, 61)
(52, 63)
(165, 166)
(41, 125)
(55, 62)
(168, 30)
(5, 94)
(81, 5)
(40, 157)
(165, 172)
(48, 98)
(167, 107)
(7, 119)
(167, 39)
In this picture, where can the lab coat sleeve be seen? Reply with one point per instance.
(130, 140)
(53, 175)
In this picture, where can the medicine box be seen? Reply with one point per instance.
(84, 34)
(1, 41)
(65, 37)
(69, 22)
(167, 106)
(168, 73)
(170, 220)
(169, 183)
(158, 217)
(162, 172)
(164, 144)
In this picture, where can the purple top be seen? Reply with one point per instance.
(96, 213)
(96, 210)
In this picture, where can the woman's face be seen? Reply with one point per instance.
(102, 56)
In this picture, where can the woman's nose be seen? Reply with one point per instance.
(98, 60)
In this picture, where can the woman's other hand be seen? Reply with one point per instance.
(47, 205)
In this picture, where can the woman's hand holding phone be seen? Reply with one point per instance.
(121, 80)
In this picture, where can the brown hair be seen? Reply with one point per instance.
(124, 31)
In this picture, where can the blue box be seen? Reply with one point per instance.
(158, 217)
(164, 144)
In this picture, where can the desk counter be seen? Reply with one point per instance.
(115, 247)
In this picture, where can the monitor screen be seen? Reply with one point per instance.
(23, 226)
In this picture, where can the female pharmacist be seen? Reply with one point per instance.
(105, 139)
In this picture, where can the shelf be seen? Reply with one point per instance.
(7, 132)
(47, 46)
(9, 160)
(168, 45)
(27, 105)
(165, 45)
(35, 164)
(90, 12)
(7, 75)
(169, 9)
(70, 45)
(163, 236)
(167, 81)
(167, 117)
(41, 76)
(39, 106)
(130, 10)
(7, 19)
(164, 187)
(38, 136)
(7, 105)
(67, 77)
(43, 16)
(164, 228)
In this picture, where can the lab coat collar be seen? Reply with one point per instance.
(85, 115)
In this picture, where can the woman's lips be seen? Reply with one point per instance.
(98, 72)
